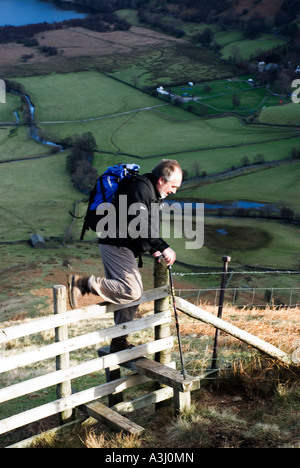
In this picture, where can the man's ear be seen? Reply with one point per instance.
(160, 181)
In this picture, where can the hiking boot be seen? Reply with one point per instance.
(119, 344)
(77, 287)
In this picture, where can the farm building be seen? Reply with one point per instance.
(37, 241)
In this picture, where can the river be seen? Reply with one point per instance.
(22, 12)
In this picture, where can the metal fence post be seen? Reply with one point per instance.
(226, 261)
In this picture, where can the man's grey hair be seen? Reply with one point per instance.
(166, 169)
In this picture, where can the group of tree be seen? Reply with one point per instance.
(79, 161)
(157, 21)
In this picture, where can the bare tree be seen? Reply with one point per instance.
(196, 168)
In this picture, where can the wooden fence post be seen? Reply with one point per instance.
(63, 360)
(161, 278)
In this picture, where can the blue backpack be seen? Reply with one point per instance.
(104, 191)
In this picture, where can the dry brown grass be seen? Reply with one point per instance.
(80, 42)
(280, 328)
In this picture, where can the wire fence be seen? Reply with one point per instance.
(247, 297)
(259, 289)
(263, 303)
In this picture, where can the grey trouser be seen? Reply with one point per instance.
(123, 282)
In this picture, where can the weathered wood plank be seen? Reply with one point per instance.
(182, 402)
(206, 317)
(115, 421)
(73, 316)
(76, 399)
(78, 342)
(154, 397)
(114, 373)
(84, 368)
(166, 376)
(159, 372)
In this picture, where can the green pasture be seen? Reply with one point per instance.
(155, 133)
(225, 38)
(148, 134)
(177, 63)
(248, 48)
(288, 114)
(7, 109)
(250, 101)
(228, 86)
(220, 98)
(36, 196)
(248, 241)
(83, 95)
(129, 15)
(217, 160)
(275, 185)
(15, 143)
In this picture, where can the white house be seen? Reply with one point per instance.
(161, 90)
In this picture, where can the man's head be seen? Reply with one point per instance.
(168, 176)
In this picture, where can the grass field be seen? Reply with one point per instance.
(16, 144)
(169, 130)
(275, 185)
(7, 109)
(88, 95)
(130, 122)
(247, 242)
(217, 96)
(288, 114)
(35, 199)
(248, 48)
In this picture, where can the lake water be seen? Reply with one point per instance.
(21, 12)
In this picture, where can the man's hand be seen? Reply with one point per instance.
(168, 254)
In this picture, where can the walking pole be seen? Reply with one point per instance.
(226, 260)
(183, 372)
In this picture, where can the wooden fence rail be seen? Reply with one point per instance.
(74, 316)
(69, 373)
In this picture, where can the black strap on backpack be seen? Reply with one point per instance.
(86, 223)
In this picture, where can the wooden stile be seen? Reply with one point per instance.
(171, 382)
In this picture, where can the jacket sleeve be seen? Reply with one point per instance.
(144, 219)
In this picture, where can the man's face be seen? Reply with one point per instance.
(165, 188)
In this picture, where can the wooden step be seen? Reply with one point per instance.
(114, 420)
(159, 372)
